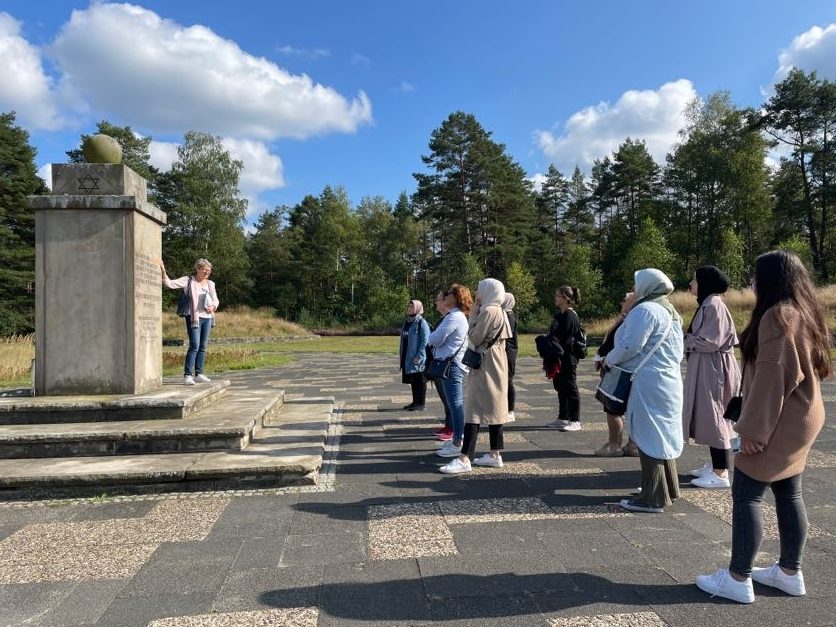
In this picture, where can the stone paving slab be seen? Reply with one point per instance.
(391, 541)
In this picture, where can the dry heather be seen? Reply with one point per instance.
(16, 355)
(239, 322)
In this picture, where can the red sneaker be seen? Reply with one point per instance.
(442, 431)
(445, 437)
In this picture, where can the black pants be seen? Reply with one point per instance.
(471, 434)
(512, 367)
(747, 521)
(419, 388)
(720, 458)
(568, 396)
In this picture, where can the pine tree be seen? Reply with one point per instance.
(520, 283)
(649, 250)
(18, 179)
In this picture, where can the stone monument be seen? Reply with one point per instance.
(98, 320)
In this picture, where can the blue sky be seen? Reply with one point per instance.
(347, 93)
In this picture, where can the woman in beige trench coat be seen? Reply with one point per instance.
(486, 398)
(712, 377)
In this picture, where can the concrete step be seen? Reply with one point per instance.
(172, 401)
(227, 424)
(287, 450)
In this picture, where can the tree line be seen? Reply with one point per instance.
(326, 262)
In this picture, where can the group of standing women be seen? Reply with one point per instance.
(488, 328)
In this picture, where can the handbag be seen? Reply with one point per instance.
(184, 303)
(614, 390)
(440, 368)
(735, 405)
(473, 358)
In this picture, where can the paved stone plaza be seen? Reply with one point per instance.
(387, 540)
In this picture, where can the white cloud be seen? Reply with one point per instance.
(537, 181)
(45, 172)
(361, 60)
(310, 53)
(173, 78)
(262, 169)
(24, 85)
(163, 154)
(655, 116)
(814, 49)
(404, 87)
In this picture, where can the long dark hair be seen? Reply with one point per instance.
(780, 277)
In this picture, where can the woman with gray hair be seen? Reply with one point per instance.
(649, 344)
(200, 316)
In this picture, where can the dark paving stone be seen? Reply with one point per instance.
(328, 518)
(319, 548)
(141, 610)
(489, 575)
(500, 538)
(259, 553)
(592, 551)
(26, 604)
(254, 516)
(486, 610)
(38, 514)
(85, 604)
(381, 592)
(105, 511)
(187, 567)
(262, 588)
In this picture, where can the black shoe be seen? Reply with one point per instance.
(415, 408)
(409, 407)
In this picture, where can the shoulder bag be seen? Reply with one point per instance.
(184, 303)
(473, 358)
(616, 384)
(440, 368)
(735, 406)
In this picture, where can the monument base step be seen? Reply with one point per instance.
(287, 451)
(227, 424)
(171, 401)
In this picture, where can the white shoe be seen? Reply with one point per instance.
(455, 467)
(711, 480)
(449, 450)
(775, 577)
(571, 426)
(722, 584)
(511, 417)
(488, 460)
(188, 380)
(202, 378)
(701, 472)
(557, 424)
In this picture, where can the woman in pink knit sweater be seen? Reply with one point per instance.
(786, 354)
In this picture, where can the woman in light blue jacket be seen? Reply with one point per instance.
(650, 343)
(414, 334)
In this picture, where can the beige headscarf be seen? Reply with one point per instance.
(418, 307)
(509, 303)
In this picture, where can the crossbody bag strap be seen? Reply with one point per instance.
(654, 349)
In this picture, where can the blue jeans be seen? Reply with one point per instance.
(747, 521)
(198, 338)
(453, 392)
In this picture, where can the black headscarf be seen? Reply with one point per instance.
(710, 280)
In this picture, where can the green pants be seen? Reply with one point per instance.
(660, 483)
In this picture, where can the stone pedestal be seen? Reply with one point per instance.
(98, 314)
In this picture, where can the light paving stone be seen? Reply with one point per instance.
(285, 617)
(103, 549)
(494, 510)
(408, 530)
(633, 619)
(719, 503)
(820, 459)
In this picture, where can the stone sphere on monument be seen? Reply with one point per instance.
(101, 149)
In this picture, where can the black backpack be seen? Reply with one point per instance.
(580, 348)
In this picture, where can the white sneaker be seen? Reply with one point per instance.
(701, 472)
(557, 424)
(775, 577)
(711, 481)
(488, 460)
(455, 467)
(571, 426)
(722, 584)
(511, 417)
(188, 380)
(449, 450)
(202, 378)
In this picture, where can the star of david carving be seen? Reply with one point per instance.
(88, 183)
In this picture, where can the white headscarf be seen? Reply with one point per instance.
(490, 292)
(653, 286)
(509, 303)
